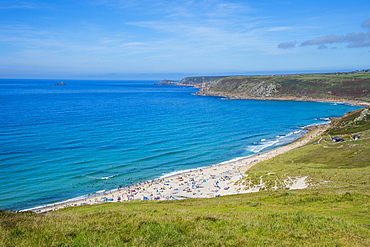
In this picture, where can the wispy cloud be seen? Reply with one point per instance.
(287, 45)
(366, 24)
(277, 29)
(353, 40)
(164, 35)
(26, 36)
(208, 26)
(17, 5)
(182, 27)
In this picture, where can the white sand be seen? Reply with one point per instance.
(212, 181)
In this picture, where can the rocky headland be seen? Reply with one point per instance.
(197, 82)
(349, 87)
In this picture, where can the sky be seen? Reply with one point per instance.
(171, 39)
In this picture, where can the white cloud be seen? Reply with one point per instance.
(353, 40)
(207, 26)
(287, 45)
(366, 24)
(17, 5)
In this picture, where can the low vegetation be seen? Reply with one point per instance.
(343, 166)
(353, 85)
(310, 218)
(333, 211)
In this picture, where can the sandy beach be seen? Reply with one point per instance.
(213, 181)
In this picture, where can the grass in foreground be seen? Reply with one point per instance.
(310, 218)
(334, 212)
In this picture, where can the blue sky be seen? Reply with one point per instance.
(151, 39)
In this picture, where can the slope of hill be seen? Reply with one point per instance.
(354, 86)
(338, 166)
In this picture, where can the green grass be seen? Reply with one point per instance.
(344, 165)
(351, 123)
(353, 86)
(334, 211)
(268, 218)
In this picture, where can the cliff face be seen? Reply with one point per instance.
(330, 87)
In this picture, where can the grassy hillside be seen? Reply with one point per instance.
(354, 86)
(311, 218)
(339, 166)
(333, 211)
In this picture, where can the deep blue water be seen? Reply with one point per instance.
(60, 142)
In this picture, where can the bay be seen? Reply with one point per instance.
(63, 141)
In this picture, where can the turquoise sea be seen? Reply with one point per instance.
(61, 142)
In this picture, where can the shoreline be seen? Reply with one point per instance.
(205, 182)
(240, 96)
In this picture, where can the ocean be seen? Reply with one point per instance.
(59, 142)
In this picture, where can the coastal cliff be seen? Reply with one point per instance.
(197, 82)
(333, 87)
